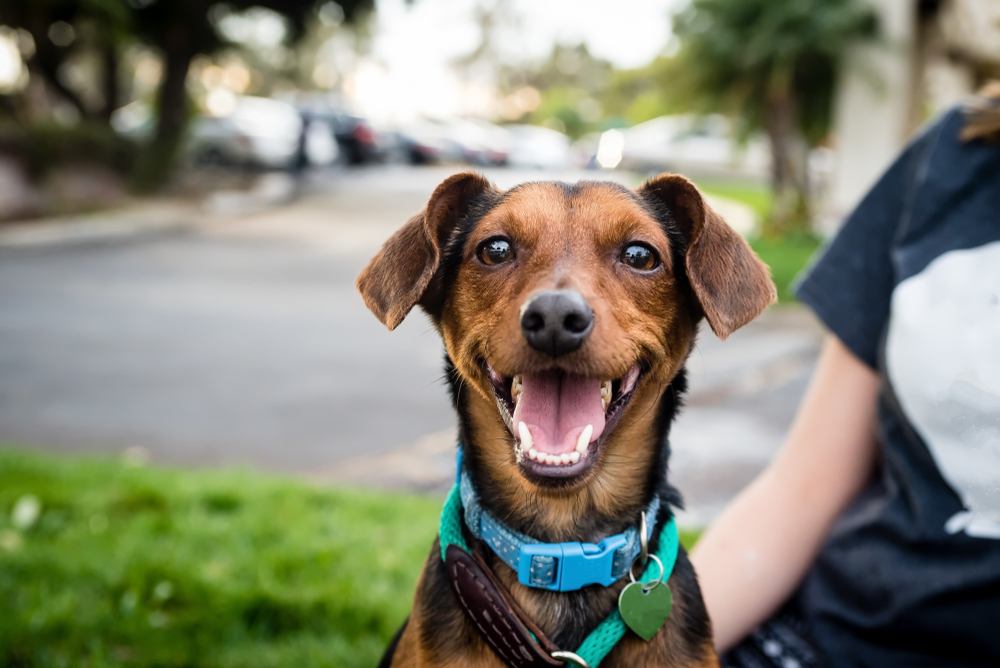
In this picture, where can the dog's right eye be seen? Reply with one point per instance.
(495, 250)
(639, 256)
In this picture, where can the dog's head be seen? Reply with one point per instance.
(565, 308)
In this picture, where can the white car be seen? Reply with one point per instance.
(537, 147)
(482, 143)
(692, 144)
(242, 131)
(254, 131)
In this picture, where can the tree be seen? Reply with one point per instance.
(774, 65)
(570, 81)
(643, 93)
(178, 30)
(63, 29)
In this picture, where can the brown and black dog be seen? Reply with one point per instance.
(567, 312)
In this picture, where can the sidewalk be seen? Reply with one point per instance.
(134, 219)
(154, 215)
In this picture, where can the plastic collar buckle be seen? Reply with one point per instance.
(568, 566)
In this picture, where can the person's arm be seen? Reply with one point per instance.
(752, 558)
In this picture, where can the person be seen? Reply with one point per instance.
(873, 537)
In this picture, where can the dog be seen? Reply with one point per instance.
(567, 313)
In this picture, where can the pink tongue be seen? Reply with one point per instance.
(556, 408)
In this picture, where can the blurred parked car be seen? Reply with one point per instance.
(255, 131)
(584, 150)
(482, 143)
(321, 146)
(358, 139)
(538, 147)
(243, 131)
(698, 144)
(428, 141)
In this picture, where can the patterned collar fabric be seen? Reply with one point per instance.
(555, 566)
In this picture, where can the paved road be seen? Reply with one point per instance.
(241, 341)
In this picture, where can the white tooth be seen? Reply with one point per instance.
(605, 394)
(551, 460)
(522, 431)
(533, 454)
(583, 440)
(515, 388)
(574, 457)
(564, 458)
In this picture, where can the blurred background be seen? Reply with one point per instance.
(211, 454)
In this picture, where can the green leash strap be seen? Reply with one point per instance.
(599, 643)
(450, 532)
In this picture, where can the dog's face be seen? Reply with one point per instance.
(566, 309)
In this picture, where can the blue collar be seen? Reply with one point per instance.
(554, 566)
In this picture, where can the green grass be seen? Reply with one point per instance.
(128, 565)
(786, 256)
(754, 195)
(136, 566)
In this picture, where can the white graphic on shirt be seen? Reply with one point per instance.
(943, 359)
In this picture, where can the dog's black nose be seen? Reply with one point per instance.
(556, 322)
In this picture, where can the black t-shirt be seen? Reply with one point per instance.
(910, 575)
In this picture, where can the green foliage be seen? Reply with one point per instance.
(644, 93)
(45, 144)
(103, 563)
(740, 55)
(178, 30)
(560, 106)
(568, 80)
(582, 93)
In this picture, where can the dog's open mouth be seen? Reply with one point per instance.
(559, 420)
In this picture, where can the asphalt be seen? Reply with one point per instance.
(211, 339)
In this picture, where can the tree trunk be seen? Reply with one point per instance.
(171, 100)
(171, 112)
(789, 168)
(109, 79)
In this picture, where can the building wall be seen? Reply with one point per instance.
(889, 89)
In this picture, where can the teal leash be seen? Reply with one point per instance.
(599, 642)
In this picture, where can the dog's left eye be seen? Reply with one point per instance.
(640, 256)
(496, 250)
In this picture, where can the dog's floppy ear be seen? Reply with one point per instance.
(731, 284)
(400, 275)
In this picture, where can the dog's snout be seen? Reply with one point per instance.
(556, 322)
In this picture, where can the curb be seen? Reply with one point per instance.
(152, 216)
(100, 226)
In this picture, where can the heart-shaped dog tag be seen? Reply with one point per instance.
(645, 608)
